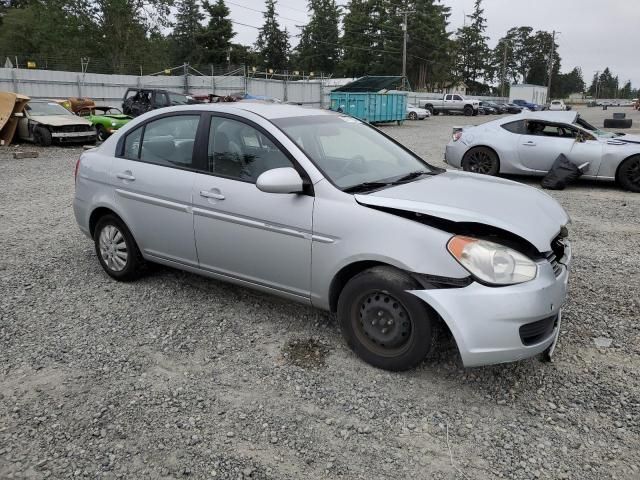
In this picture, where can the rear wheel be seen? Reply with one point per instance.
(384, 324)
(117, 250)
(413, 116)
(629, 174)
(481, 160)
(42, 136)
(430, 108)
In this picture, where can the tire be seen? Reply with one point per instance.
(629, 174)
(101, 133)
(430, 108)
(42, 136)
(481, 160)
(468, 110)
(618, 122)
(413, 116)
(381, 293)
(113, 241)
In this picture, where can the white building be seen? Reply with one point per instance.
(530, 93)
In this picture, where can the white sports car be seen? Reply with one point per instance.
(529, 143)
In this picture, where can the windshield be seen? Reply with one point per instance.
(351, 153)
(46, 108)
(596, 131)
(177, 99)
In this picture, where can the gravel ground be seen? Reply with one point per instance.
(177, 376)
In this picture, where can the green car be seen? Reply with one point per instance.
(106, 119)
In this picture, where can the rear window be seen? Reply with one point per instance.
(515, 127)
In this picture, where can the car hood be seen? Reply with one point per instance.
(60, 120)
(472, 198)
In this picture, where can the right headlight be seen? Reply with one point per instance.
(491, 262)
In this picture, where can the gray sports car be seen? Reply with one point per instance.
(529, 143)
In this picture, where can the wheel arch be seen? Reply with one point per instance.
(100, 212)
(345, 274)
(483, 145)
(617, 177)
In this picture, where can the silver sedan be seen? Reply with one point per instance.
(529, 143)
(323, 209)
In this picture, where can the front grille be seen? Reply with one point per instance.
(553, 260)
(532, 333)
(556, 254)
(75, 128)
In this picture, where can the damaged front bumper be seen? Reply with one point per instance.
(503, 324)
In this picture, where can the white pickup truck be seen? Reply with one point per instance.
(452, 103)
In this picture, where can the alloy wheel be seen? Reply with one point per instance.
(480, 162)
(633, 172)
(113, 248)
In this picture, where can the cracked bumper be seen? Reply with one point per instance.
(485, 321)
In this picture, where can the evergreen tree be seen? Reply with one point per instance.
(429, 61)
(187, 32)
(318, 48)
(272, 43)
(356, 40)
(215, 38)
(472, 52)
(538, 71)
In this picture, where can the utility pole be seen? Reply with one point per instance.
(504, 69)
(597, 83)
(551, 52)
(404, 48)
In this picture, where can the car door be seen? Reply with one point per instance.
(153, 178)
(541, 143)
(242, 232)
(586, 149)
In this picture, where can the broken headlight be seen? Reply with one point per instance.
(491, 262)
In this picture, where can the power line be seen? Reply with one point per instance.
(260, 11)
(393, 52)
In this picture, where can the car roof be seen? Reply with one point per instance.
(269, 111)
(549, 116)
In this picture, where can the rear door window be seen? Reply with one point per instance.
(515, 127)
(168, 141)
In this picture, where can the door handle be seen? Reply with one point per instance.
(529, 144)
(127, 175)
(212, 194)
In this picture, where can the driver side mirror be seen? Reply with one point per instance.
(280, 180)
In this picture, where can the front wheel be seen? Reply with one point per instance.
(117, 250)
(413, 116)
(481, 160)
(629, 174)
(101, 133)
(42, 136)
(384, 324)
(468, 110)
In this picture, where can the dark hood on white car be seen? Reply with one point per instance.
(478, 199)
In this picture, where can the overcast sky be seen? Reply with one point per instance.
(594, 33)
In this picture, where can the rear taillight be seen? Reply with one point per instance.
(76, 170)
(457, 133)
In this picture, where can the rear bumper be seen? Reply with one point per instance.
(453, 153)
(486, 321)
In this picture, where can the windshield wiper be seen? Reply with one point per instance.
(366, 186)
(411, 176)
